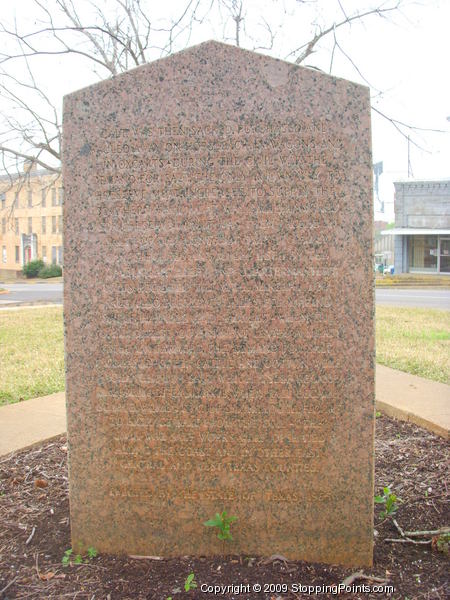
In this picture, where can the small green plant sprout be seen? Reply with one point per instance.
(390, 503)
(378, 414)
(223, 524)
(91, 552)
(77, 559)
(68, 557)
(441, 543)
(190, 583)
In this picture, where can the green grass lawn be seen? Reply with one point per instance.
(414, 340)
(31, 353)
(32, 357)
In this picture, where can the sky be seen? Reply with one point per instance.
(404, 57)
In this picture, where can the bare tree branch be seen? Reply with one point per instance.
(399, 124)
(271, 34)
(111, 42)
(351, 61)
(29, 157)
(308, 48)
(114, 35)
(234, 8)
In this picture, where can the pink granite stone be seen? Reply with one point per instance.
(219, 309)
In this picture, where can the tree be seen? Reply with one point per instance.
(109, 42)
(112, 37)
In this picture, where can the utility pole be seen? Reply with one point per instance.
(377, 171)
(410, 172)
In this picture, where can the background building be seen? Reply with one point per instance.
(383, 245)
(422, 227)
(31, 219)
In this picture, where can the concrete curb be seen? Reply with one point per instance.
(405, 415)
(5, 457)
(37, 304)
(25, 424)
(414, 399)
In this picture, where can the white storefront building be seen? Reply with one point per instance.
(422, 227)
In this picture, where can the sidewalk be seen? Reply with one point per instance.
(400, 395)
(411, 398)
(32, 421)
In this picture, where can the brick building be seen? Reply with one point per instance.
(31, 219)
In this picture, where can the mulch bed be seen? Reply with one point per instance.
(34, 534)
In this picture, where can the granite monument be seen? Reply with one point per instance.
(219, 309)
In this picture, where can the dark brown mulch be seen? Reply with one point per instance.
(34, 533)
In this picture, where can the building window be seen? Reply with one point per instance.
(423, 253)
(60, 196)
(3, 199)
(60, 255)
(4, 225)
(30, 224)
(54, 255)
(60, 224)
(54, 224)
(17, 254)
(4, 254)
(445, 255)
(30, 198)
(44, 253)
(44, 198)
(44, 225)
(54, 197)
(16, 226)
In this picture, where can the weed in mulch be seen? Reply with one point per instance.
(34, 537)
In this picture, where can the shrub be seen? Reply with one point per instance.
(50, 271)
(32, 268)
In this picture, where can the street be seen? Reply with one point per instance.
(413, 297)
(31, 292)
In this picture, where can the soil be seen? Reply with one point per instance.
(34, 534)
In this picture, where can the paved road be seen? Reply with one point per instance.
(414, 298)
(31, 292)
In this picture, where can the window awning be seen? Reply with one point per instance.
(415, 231)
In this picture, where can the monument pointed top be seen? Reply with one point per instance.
(217, 50)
